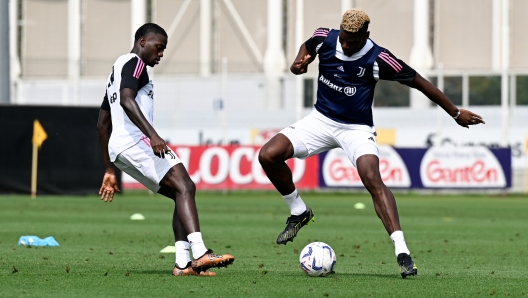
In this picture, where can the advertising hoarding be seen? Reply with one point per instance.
(435, 167)
(234, 167)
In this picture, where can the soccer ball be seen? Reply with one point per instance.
(317, 259)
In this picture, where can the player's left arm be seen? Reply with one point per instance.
(104, 125)
(462, 116)
(394, 69)
(133, 77)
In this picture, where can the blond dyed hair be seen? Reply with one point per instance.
(353, 20)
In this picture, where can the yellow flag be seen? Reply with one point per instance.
(39, 134)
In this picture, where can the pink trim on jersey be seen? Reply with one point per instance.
(139, 68)
(320, 32)
(146, 140)
(391, 61)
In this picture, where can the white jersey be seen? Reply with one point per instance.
(129, 71)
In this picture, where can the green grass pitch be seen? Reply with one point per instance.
(463, 245)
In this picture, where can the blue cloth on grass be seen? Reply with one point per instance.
(36, 241)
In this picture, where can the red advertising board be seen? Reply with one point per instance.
(235, 167)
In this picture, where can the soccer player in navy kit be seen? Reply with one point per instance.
(350, 64)
(135, 147)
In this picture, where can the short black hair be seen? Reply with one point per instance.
(149, 28)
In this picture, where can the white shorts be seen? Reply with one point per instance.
(141, 164)
(316, 133)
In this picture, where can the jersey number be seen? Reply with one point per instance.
(113, 97)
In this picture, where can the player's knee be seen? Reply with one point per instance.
(184, 187)
(265, 156)
(188, 187)
(371, 179)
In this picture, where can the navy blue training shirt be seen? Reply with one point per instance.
(346, 84)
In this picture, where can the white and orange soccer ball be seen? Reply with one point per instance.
(317, 259)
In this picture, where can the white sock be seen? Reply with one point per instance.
(197, 244)
(295, 203)
(399, 243)
(182, 253)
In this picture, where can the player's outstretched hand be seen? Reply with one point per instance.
(159, 147)
(301, 66)
(468, 118)
(109, 187)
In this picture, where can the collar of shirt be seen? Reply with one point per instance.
(339, 51)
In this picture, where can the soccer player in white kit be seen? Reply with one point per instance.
(135, 147)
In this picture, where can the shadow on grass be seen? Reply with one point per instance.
(297, 275)
(343, 275)
(386, 276)
(159, 272)
(348, 275)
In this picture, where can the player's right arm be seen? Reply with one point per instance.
(308, 51)
(300, 65)
(104, 124)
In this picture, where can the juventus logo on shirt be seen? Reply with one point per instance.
(361, 72)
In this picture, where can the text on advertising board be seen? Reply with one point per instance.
(461, 167)
(237, 167)
(338, 171)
